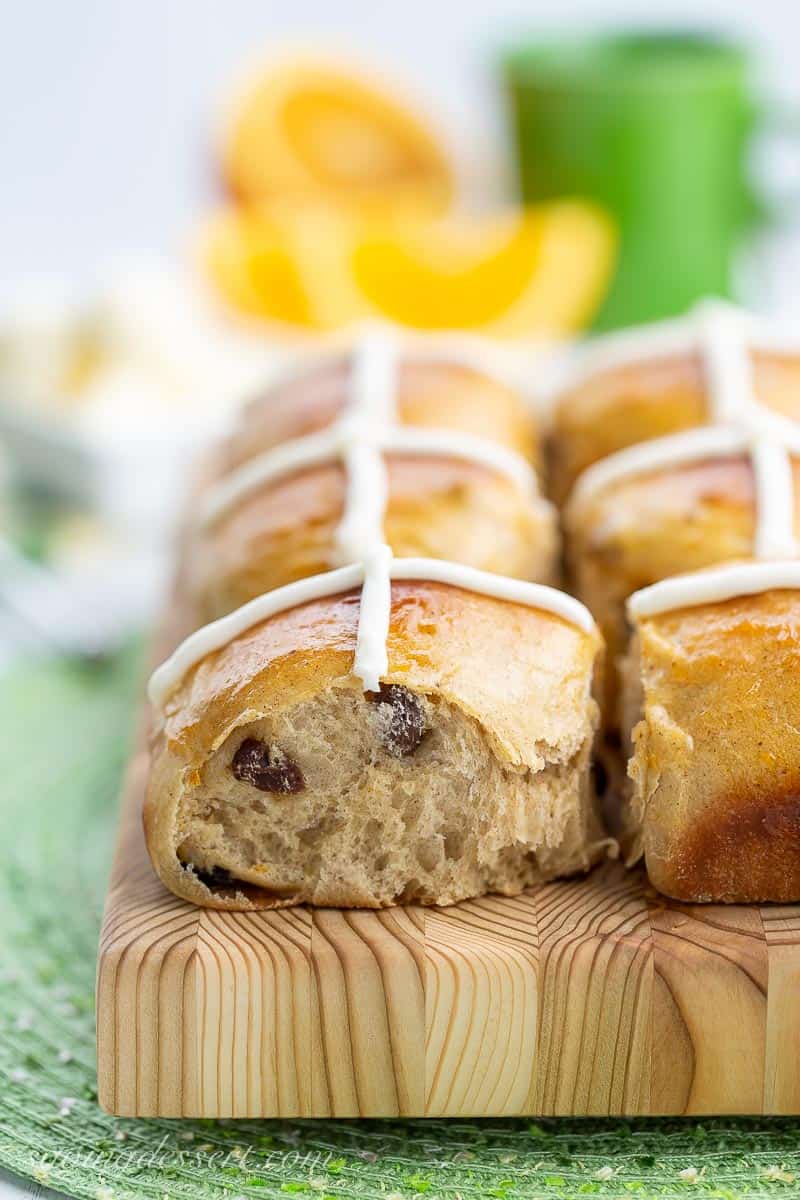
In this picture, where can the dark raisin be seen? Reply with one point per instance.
(402, 723)
(216, 877)
(265, 769)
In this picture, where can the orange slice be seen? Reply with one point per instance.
(309, 128)
(293, 269)
(251, 261)
(541, 272)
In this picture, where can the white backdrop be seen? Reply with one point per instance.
(107, 106)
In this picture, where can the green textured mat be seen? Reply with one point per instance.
(64, 738)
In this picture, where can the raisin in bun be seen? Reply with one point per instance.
(278, 779)
(712, 694)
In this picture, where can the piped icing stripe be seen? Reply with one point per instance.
(692, 445)
(374, 573)
(219, 633)
(727, 364)
(332, 444)
(366, 497)
(360, 439)
(371, 405)
(775, 505)
(373, 385)
(713, 586)
(770, 455)
(671, 339)
(428, 442)
(366, 430)
(285, 459)
(507, 366)
(372, 657)
(738, 425)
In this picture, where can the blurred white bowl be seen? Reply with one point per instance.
(106, 401)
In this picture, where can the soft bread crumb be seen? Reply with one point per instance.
(439, 823)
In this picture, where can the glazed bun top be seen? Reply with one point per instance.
(442, 393)
(646, 384)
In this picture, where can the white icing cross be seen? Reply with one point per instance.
(366, 431)
(738, 425)
(671, 339)
(713, 586)
(359, 438)
(374, 576)
(371, 408)
(725, 349)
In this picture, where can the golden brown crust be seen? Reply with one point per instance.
(712, 806)
(620, 407)
(438, 508)
(650, 526)
(441, 395)
(531, 716)
(745, 849)
(291, 408)
(523, 675)
(636, 403)
(715, 770)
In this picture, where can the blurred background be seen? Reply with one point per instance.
(195, 192)
(109, 108)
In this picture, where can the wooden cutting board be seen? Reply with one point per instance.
(591, 996)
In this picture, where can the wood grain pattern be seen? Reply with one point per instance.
(588, 996)
(781, 925)
(593, 1046)
(481, 960)
(710, 1011)
(368, 974)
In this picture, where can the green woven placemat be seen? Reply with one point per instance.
(64, 738)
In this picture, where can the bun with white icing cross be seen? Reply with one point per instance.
(630, 387)
(404, 731)
(676, 504)
(701, 524)
(435, 458)
(402, 727)
(712, 693)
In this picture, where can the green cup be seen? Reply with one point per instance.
(656, 128)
